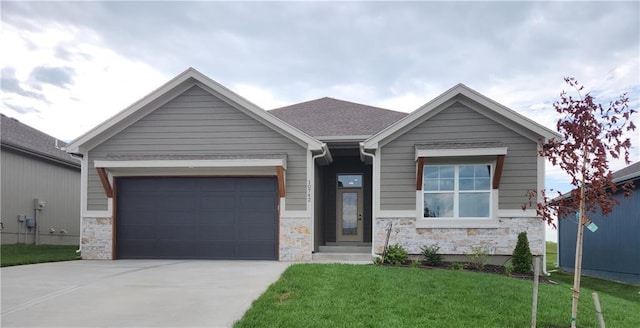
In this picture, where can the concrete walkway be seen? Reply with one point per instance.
(133, 293)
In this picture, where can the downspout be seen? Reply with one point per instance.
(373, 199)
(312, 212)
(79, 157)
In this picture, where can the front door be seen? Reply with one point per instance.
(349, 207)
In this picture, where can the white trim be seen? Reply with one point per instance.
(457, 223)
(303, 215)
(97, 214)
(311, 177)
(460, 152)
(528, 213)
(397, 214)
(460, 89)
(192, 163)
(377, 208)
(190, 77)
(374, 189)
(541, 174)
(84, 179)
(349, 138)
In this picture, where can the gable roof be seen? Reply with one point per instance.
(630, 172)
(21, 137)
(457, 90)
(175, 86)
(329, 117)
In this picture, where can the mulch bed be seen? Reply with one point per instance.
(487, 268)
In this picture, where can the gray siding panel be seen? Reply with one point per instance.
(25, 178)
(196, 122)
(456, 123)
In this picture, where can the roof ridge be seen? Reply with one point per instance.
(339, 100)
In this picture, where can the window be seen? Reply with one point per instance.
(350, 180)
(457, 191)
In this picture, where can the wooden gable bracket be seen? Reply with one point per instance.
(498, 173)
(104, 179)
(419, 172)
(281, 185)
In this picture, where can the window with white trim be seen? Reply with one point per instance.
(457, 191)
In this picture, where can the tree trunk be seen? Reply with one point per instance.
(577, 269)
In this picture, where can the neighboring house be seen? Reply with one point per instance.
(193, 170)
(40, 187)
(613, 251)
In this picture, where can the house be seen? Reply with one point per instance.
(613, 251)
(40, 187)
(194, 170)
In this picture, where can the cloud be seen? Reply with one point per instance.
(57, 76)
(21, 109)
(10, 84)
(389, 54)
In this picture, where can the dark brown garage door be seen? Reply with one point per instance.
(196, 218)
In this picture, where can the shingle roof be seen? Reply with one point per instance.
(333, 117)
(630, 172)
(16, 135)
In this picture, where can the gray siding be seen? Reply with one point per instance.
(25, 178)
(196, 122)
(456, 123)
(613, 251)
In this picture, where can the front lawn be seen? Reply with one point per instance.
(18, 254)
(340, 295)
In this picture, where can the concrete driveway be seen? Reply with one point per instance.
(133, 293)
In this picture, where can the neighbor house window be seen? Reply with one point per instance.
(457, 191)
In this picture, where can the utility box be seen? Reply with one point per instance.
(31, 223)
(39, 204)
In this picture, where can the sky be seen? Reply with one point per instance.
(67, 66)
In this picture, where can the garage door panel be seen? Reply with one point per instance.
(217, 200)
(176, 233)
(218, 250)
(136, 232)
(255, 202)
(257, 233)
(175, 184)
(217, 232)
(204, 218)
(218, 184)
(182, 217)
(178, 200)
(213, 217)
(138, 249)
(249, 217)
(143, 201)
(248, 185)
(256, 250)
(138, 217)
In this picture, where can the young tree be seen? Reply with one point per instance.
(592, 134)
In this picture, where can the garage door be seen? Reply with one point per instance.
(196, 218)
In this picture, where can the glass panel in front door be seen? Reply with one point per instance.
(349, 213)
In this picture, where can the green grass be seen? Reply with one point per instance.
(552, 255)
(335, 295)
(19, 254)
(602, 286)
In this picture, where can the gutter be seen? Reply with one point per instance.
(373, 200)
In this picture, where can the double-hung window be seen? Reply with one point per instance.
(457, 191)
